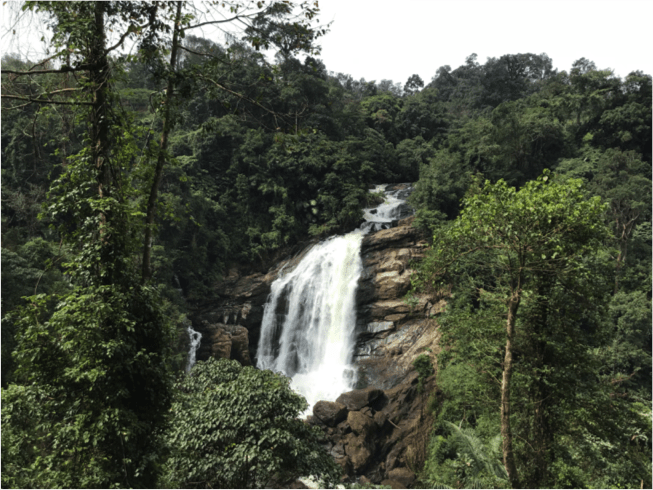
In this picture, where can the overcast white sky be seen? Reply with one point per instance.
(393, 39)
(383, 39)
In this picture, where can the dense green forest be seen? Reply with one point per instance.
(132, 183)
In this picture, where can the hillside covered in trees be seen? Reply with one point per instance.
(131, 184)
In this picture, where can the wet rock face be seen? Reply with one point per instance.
(377, 438)
(390, 332)
(239, 303)
(225, 341)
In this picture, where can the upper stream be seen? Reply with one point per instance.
(309, 319)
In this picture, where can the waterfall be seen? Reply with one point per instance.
(195, 339)
(309, 319)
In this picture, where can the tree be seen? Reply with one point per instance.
(239, 427)
(513, 76)
(96, 359)
(538, 235)
(413, 84)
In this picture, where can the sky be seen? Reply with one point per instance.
(384, 39)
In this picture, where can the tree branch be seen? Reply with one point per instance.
(130, 30)
(239, 95)
(63, 69)
(40, 101)
(210, 22)
(201, 54)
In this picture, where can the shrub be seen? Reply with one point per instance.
(239, 427)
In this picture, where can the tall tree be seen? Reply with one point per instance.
(94, 363)
(541, 232)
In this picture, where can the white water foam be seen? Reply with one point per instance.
(309, 320)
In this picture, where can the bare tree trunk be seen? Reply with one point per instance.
(146, 272)
(506, 433)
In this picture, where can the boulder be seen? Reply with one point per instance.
(358, 452)
(297, 484)
(363, 480)
(338, 451)
(392, 460)
(239, 344)
(330, 413)
(360, 423)
(391, 284)
(220, 341)
(228, 342)
(379, 310)
(345, 464)
(403, 475)
(380, 419)
(399, 237)
(357, 399)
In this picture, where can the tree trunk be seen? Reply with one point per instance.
(541, 435)
(506, 433)
(146, 272)
(101, 133)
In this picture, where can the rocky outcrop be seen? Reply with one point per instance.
(390, 331)
(382, 439)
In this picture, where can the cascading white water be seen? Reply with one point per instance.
(394, 207)
(195, 339)
(309, 319)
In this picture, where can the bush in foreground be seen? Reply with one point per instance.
(238, 427)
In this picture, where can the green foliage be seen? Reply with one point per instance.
(91, 425)
(547, 225)
(286, 152)
(238, 427)
(424, 367)
(547, 239)
(462, 460)
(441, 186)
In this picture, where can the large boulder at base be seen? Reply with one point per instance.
(330, 413)
(402, 475)
(357, 399)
